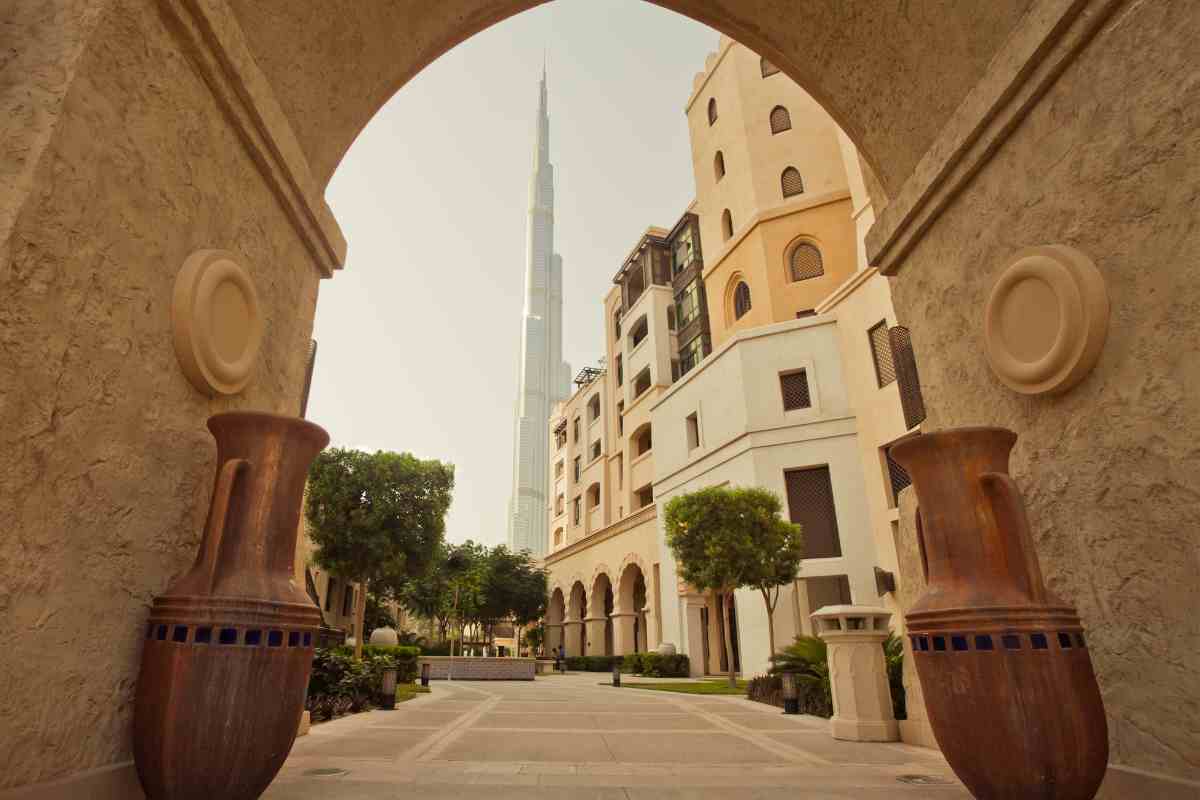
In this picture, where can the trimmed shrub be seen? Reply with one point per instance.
(436, 649)
(340, 685)
(769, 689)
(592, 663)
(404, 656)
(655, 665)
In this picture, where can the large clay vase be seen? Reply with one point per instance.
(229, 646)
(1004, 665)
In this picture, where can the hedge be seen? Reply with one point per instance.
(656, 665)
(405, 657)
(340, 685)
(592, 663)
(769, 689)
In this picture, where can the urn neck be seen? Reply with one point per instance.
(975, 535)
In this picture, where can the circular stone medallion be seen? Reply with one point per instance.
(1046, 320)
(216, 321)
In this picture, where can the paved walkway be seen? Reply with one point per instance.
(568, 736)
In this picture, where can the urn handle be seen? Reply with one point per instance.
(1012, 533)
(218, 513)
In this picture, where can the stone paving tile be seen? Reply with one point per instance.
(370, 743)
(430, 718)
(520, 719)
(640, 721)
(485, 746)
(855, 752)
(671, 748)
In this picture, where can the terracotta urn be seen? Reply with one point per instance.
(1004, 664)
(229, 645)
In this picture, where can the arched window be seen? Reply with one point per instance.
(768, 69)
(593, 495)
(781, 120)
(726, 224)
(791, 182)
(712, 110)
(719, 164)
(558, 536)
(741, 300)
(805, 262)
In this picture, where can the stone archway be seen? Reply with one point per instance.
(144, 130)
(556, 614)
(573, 625)
(599, 626)
(631, 618)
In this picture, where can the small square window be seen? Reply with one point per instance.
(939, 643)
(958, 643)
(203, 636)
(693, 431)
(228, 636)
(794, 386)
(1038, 640)
(1064, 640)
(1011, 641)
(307, 639)
(253, 638)
(293, 638)
(179, 634)
(161, 635)
(275, 639)
(983, 642)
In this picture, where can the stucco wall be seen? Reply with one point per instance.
(108, 464)
(1107, 162)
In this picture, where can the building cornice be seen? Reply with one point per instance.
(1041, 46)
(847, 288)
(723, 48)
(210, 36)
(806, 203)
(622, 525)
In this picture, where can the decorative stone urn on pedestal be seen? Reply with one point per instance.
(862, 701)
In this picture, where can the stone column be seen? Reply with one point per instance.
(554, 636)
(651, 635)
(862, 701)
(573, 637)
(595, 635)
(623, 643)
(695, 636)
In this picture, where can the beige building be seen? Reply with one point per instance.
(720, 370)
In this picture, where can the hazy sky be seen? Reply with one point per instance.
(420, 333)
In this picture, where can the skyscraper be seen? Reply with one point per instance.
(543, 377)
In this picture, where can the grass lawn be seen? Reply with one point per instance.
(690, 687)
(407, 691)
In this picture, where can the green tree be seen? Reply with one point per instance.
(376, 519)
(530, 598)
(778, 547)
(376, 615)
(717, 536)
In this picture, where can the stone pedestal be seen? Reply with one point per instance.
(595, 635)
(573, 637)
(862, 702)
(623, 633)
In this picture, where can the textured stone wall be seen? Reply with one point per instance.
(1108, 162)
(107, 465)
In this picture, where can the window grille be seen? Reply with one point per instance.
(781, 120)
(791, 182)
(575, 430)
(712, 110)
(897, 476)
(575, 506)
(794, 386)
(741, 300)
(576, 471)
(805, 262)
(881, 352)
(726, 224)
(810, 505)
(905, 363)
(768, 69)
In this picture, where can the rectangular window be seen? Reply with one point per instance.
(594, 408)
(810, 505)
(348, 601)
(595, 449)
(692, 353)
(641, 383)
(575, 431)
(620, 470)
(641, 330)
(688, 304)
(881, 352)
(828, 590)
(558, 469)
(560, 435)
(620, 371)
(645, 496)
(559, 505)
(621, 418)
(693, 431)
(329, 587)
(683, 251)
(794, 386)
(897, 476)
(576, 471)
(575, 509)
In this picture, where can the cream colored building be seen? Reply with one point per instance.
(737, 352)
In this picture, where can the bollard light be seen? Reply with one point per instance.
(791, 697)
(616, 674)
(425, 673)
(387, 691)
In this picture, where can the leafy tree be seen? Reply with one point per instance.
(530, 598)
(717, 536)
(376, 615)
(376, 519)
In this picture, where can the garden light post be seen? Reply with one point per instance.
(425, 674)
(616, 667)
(387, 692)
(791, 697)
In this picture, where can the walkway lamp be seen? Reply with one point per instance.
(791, 696)
(425, 673)
(616, 673)
(387, 691)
